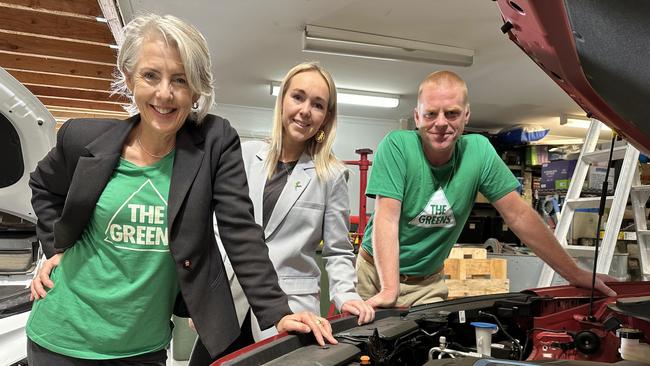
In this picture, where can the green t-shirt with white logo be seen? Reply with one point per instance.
(436, 201)
(115, 288)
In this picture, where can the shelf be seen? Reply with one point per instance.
(603, 155)
(586, 192)
(588, 202)
(641, 189)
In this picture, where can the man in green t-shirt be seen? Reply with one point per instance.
(425, 183)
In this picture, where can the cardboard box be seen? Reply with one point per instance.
(596, 177)
(644, 169)
(557, 174)
(537, 155)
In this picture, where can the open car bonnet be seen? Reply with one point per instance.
(596, 51)
(27, 133)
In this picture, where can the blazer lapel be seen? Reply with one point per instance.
(98, 163)
(92, 172)
(257, 178)
(296, 184)
(186, 165)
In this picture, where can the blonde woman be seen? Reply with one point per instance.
(300, 197)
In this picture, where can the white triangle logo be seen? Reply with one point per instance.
(436, 213)
(144, 232)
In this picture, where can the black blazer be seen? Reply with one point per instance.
(208, 177)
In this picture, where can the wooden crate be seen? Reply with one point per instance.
(464, 269)
(475, 276)
(463, 288)
(468, 253)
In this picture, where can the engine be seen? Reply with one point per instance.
(534, 327)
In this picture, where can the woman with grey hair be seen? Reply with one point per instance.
(125, 217)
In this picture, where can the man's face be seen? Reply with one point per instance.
(440, 116)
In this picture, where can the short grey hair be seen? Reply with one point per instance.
(191, 45)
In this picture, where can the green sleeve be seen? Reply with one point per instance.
(388, 173)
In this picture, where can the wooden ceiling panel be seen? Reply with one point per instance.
(60, 51)
(53, 25)
(87, 8)
(31, 45)
(34, 78)
(62, 114)
(69, 93)
(55, 66)
(80, 104)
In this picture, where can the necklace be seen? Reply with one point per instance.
(150, 154)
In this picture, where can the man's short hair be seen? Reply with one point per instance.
(444, 78)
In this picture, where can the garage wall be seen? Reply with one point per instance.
(353, 133)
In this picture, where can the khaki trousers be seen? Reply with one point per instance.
(431, 289)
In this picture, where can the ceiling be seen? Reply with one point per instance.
(257, 41)
(62, 54)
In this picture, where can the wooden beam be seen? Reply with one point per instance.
(113, 19)
(82, 29)
(63, 102)
(75, 51)
(72, 82)
(91, 96)
(86, 114)
(87, 8)
(56, 66)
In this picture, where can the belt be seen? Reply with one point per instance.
(403, 278)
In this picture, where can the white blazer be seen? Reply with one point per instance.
(308, 210)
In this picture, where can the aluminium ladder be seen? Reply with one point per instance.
(628, 176)
(639, 197)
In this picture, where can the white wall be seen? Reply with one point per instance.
(353, 133)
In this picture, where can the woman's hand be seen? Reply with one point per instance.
(360, 308)
(305, 322)
(42, 278)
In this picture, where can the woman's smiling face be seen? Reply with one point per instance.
(160, 87)
(304, 106)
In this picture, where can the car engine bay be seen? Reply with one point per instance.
(531, 327)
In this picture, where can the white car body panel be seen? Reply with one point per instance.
(35, 127)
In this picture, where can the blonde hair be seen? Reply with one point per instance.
(327, 165)
(191, 46)
(446, 78)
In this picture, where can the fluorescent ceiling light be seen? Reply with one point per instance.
(367, 45)
(356, 97)
(575, 121)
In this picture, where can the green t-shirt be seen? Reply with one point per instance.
(115, 288)
(436, 201)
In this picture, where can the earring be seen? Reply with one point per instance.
(320, 136)
(195, 105)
